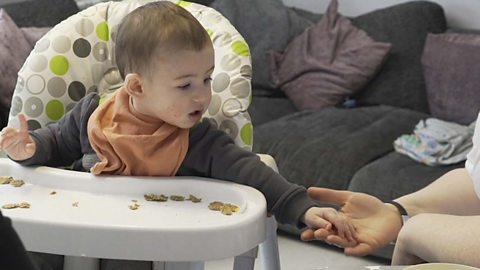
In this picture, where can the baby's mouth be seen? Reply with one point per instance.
(196, 113)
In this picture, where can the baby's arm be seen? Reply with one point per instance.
(330, 220)
(17, 143)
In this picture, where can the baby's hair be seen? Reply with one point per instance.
(151, 29)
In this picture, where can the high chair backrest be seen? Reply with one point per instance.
(76, 57)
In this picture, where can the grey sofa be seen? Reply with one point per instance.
(343, 147)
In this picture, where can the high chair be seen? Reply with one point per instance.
(80, 218)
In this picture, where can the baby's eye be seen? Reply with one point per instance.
(184, 86)
(207, 80)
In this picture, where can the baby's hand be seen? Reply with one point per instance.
(17, 143)
(330, 220)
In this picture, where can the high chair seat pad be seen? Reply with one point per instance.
(76, 57)
(78, 214)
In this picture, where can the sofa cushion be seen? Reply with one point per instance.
(451, 70)
(395, 175)
(33, 34)
(41, 13)
(265, 25)
(14, 49)
(400, 81)
(327, 62)
(327, 147)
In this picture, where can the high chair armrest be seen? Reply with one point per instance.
(269, 161)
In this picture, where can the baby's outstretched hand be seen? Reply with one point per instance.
(330, 220)
(17, 143)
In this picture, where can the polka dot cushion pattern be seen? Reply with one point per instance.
(77, 57)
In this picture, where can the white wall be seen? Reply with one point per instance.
(460, 13)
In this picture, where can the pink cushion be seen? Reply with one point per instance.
(452, 76)
(327, 62)
(14, 49)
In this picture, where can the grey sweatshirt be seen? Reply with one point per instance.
(211, 153)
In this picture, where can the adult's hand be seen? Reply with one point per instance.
(376, 223)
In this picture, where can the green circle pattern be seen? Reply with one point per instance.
(55, 109)
(183, 3)
(240, 48)
(102, 31)
(246, 133)
(59, 65)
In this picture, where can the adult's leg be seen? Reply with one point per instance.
(439, 238)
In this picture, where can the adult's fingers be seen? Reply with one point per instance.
(332, 196)
(361, 249)
(340, 241)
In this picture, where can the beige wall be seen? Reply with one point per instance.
(460, 13)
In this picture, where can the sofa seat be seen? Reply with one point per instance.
(404, 176)
(326, 148)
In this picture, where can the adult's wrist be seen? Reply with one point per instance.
(401, 211)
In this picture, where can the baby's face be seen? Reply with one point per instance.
(179, 89)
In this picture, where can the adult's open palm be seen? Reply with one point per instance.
(376, 223)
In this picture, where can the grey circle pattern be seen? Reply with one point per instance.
(231, 107)
(100, 51)
(246, 71)
(84, 27)
(112, 76)
(230, 62)
(42, 45)
(229, 127)
(215, 104)
(113, 32)
(240, 88)
(76, 90)
(92, 89)
(20, 84)
(82, 48)
(61, 44)
(17, 106)
(33, 107)
(226, 39)
(220, 82)
(57, 87)
(33, 124)
(37, 63)
(35, 84)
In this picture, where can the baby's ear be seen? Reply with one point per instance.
(133, 84)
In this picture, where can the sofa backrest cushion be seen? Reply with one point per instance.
(400, 81)
(451, 68)
(14, 49)
(41, 13)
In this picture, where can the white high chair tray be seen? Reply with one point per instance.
(102, 225)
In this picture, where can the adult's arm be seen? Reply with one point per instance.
(379, 223)
(13, 255)
(452, 194)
